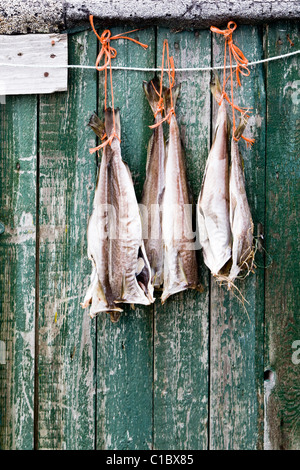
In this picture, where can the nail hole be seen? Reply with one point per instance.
(18, 166)
(52, 56)
(268, 374)
(46, 74)
(176, 45)
(20, 53)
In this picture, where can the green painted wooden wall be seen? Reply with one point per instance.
(195, 373)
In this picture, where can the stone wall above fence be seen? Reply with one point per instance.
(40, 16)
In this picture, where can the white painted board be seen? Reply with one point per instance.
(30, 57)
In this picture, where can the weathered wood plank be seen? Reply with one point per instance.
(18, 150)
(282, 239)
(124, 349)
(66, 335)
(181, 359)
(236, 389)
(31, 50)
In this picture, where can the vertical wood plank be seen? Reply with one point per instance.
(181, 325)
(18, 150)
(124, 349)
(236, 416)
(282, 240)
(66, 334)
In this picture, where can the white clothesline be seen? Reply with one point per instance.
(145, 69)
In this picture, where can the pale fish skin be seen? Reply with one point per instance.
(122, 260)
(153, 190)
(240, 215)
(213, 201)
(180, 264)
(99, 293)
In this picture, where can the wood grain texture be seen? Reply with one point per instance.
(236, 388)
(18, 150)
(66, 415)
(282, 238)
(181, 325)
(33, 49)
(186, 375)
(124, 349)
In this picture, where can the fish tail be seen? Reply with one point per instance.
(241, 127)
(109, 122)
(114, 316)
(215, 87)
(96, 125)
(167, 97)
(152, 90)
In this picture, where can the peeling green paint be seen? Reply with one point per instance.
(185, 375)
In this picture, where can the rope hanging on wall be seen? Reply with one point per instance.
(108, 53)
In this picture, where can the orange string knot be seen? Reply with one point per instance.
(109, 53)
(171, 74)
(241, 68)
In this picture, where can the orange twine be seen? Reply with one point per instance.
(171, 73)
(109, 53)
(240, 68)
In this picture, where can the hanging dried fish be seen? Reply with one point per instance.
(240, 216)
(180, 265)
(213, 202)
(154, 188)
(121, 271)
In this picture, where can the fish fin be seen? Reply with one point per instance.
(167, 97)
(242, 162)
(109, 122)
(241, 127)
(123, 288)
(181, 269)
(215, 86)
(100, 292)
(151, 90)
(149, 150)
(114, 316)
(97, 125)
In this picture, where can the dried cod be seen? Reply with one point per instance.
(121, 270)
(240, 216)
(180, 265)
(153, 189)
(213, 202)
